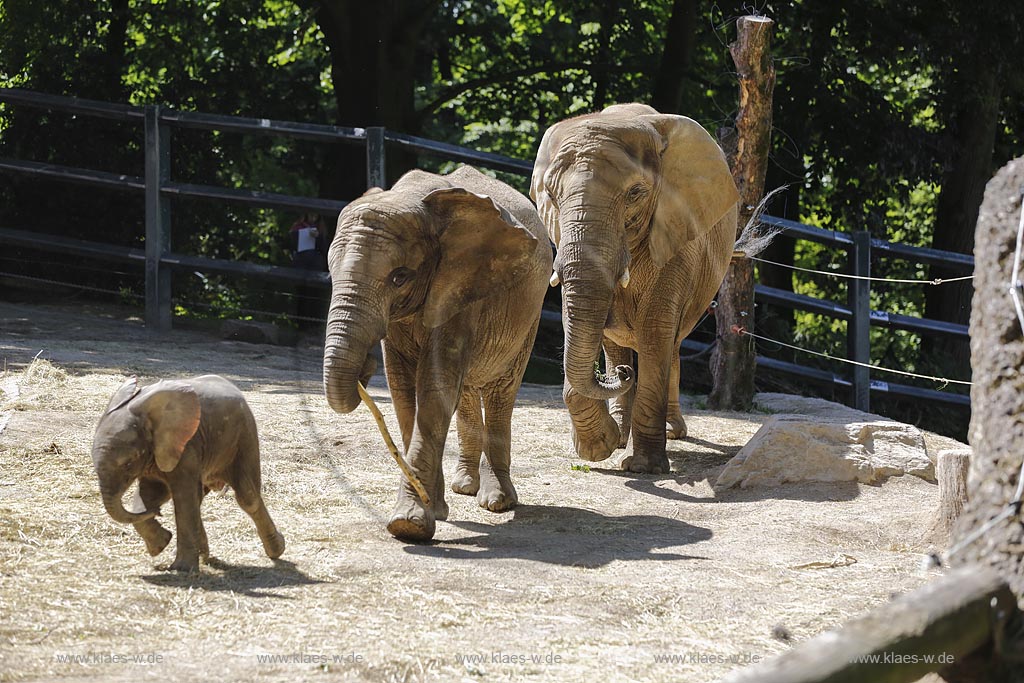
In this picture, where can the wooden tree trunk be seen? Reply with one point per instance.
(997, 396)
(972, 138)
(733, 360)
(951, 468)
(676, 58)
(373, 67)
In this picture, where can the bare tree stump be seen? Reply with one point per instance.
(951, 471)
(733, 360)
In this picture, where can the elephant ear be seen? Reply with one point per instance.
(696, 188)
(546, 208)
(125, 393)
(483, 249)
(171, 413)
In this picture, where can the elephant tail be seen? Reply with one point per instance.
(753, 239)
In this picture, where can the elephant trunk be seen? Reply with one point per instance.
(583, 335)
(347, 362)
(112, 490)
(589, 273)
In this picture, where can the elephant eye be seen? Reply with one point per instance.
(635, 193)
(399, 276)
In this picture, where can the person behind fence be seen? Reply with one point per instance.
(308, 245)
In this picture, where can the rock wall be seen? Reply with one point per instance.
(997, 396)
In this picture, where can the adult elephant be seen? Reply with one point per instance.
(642, 209)
(450, 271)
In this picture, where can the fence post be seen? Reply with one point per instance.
(158, 222)
(376, 160)
(858, 336)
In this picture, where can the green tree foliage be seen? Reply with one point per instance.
(889, 117)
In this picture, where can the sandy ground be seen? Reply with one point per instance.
(597, 575)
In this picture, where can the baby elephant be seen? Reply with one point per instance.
(180, 439)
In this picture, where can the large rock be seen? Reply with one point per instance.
(790, 448)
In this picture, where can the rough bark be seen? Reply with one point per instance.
(951, 473)
(733, 361)
(997, 396)
(602, 70)
(676, 58)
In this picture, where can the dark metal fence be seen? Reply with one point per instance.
(160, 260)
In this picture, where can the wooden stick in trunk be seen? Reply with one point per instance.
(402, 464)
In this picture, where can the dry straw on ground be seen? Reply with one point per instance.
(597, 574)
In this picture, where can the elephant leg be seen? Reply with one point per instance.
(186, 491)
(496, 490)
(247, 484)
(676, 425)
(622, 405)
(594, 432)
(649, 414)
(202, 542)
(470, 425)
(150, 495)
(401, 374)
(439, 379)
(251, 501)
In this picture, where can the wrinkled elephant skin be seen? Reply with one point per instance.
(642, 209)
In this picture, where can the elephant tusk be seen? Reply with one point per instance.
(624, 280)
(554, 280)
(402, 465)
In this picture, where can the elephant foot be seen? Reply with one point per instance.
(157, 540)
(465, 481)
(440, 508)
(599, 446)
(273, 544)
(419, 528)
(675, 427)
(188, 565)
(410, 521)
(498, 496)
(646, 464)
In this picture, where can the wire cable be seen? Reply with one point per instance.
(934, 281)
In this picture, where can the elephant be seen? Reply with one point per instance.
(450, 272)
(180, 439)
(642, 209)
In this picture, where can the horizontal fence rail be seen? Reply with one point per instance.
(159, 260)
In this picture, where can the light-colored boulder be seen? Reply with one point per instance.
(790, 448)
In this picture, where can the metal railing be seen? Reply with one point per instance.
(159, 259)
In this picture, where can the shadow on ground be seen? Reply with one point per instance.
(690, 467)
(569, 536)
(249, 580)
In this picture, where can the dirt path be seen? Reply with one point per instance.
(596, 576)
